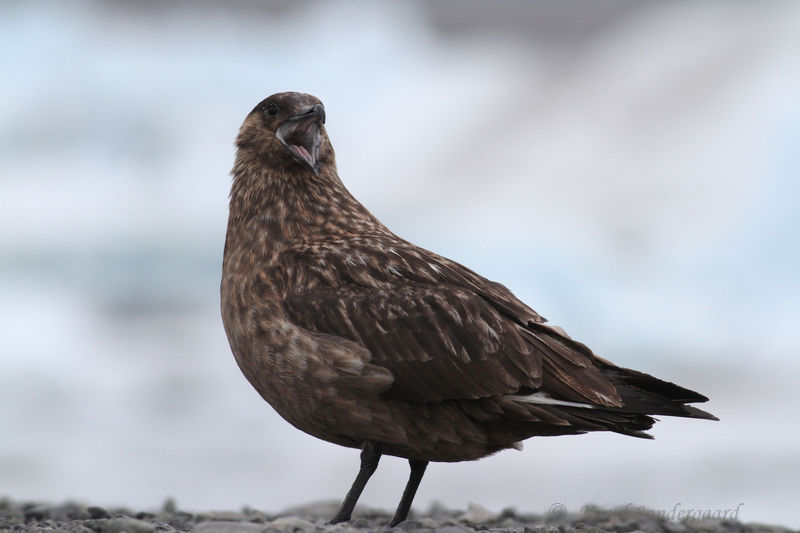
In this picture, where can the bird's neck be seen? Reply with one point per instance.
(291, 206)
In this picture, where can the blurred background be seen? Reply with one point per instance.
(628, 168)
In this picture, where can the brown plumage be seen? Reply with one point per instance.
(360, 338)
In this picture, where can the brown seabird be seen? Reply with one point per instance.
(363, 339)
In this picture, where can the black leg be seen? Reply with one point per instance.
(370, 455)
(417, 471)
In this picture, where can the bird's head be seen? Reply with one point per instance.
(286, 131)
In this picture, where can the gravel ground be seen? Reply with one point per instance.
(80, 518)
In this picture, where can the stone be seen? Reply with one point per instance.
(125, 524)
(225, 526)
(290, 523)
(477, 514)
(97, 512)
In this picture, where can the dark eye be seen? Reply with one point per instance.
(272, 110)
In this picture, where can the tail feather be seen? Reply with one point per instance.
(643, 393)
(640, 393)
(592, 394)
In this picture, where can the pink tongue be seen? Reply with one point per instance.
(302, 151)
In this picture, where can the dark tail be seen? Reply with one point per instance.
(642, 395)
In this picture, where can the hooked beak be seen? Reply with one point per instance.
(301, 135)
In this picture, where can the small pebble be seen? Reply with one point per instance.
(125, 524)
(409, 525)
(37, 512)
(674, 527)
(455, 529)
(220, 526)
(290, 523)
(97, 512)
(477, 514)
(228, 516)
(169, 506)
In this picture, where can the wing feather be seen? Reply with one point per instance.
(443, 331)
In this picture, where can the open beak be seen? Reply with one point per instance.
(302, 137)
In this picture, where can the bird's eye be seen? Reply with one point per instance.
(272, 110)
